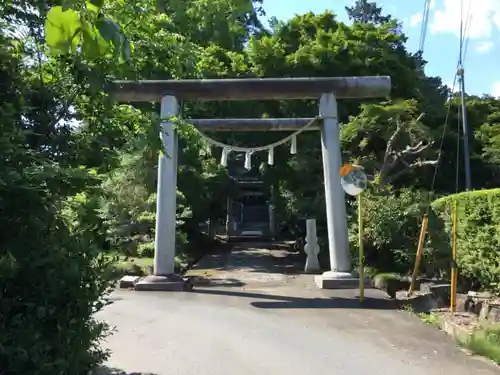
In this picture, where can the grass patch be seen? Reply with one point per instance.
(430, 318)
(140, 265)
(385, 276)
(486, 342)
(136, 266)
(133, 266)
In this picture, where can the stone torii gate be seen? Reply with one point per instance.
(328, 90)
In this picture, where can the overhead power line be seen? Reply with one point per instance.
(464, 31)
(425, 23)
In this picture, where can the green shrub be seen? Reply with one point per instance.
(81, 212)
(370, 272)
(128, 207)
(51, 279)
(478, 234)
(392, 221)
(146, 250)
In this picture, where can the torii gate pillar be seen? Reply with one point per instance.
(339, 275)
(166, 192)
(164, 277)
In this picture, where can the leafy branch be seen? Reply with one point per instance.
(87, 31)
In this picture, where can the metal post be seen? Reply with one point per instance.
(454, 270)
(339, 275)
(272, 220)
(361, 250)
(272, 212)
(465, 129)
(229, 215)
(164, 261)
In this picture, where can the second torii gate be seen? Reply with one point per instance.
(328, 90)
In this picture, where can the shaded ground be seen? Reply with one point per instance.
(114, 371)
(282, 325)
(249, 262)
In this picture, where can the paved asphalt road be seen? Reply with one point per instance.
(247, 331)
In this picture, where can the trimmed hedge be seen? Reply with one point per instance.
(478, 234)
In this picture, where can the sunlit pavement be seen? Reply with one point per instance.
(276, 327)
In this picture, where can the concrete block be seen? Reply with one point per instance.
(461, 333)
(339, 280)
(171, 283)
(490, 311)
(128, 281)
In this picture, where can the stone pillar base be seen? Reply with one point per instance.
(338, 280)
(172, 283)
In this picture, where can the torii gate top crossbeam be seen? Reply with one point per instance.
(252, 88)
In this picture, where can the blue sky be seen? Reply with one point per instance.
(482, 72)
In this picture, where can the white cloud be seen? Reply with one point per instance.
(495, 89)
(484, 47)
(416, 19)
(485, 18)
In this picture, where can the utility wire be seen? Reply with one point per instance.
(460, 54)
(464, 28)
(464, 42)
(464, 33)
(445, 127)
(425, 23)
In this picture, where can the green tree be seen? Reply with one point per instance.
(390, 141)
(41, 256)
(365, 11)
